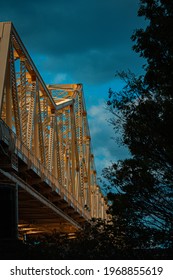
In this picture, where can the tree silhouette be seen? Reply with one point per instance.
(143, 111)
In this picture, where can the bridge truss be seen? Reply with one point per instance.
(45, 145)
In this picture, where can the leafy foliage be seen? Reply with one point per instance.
(155, 43)
(143, 111)
(99, 240)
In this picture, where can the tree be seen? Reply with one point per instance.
(143, 110)
(155, 43)
(95, 241)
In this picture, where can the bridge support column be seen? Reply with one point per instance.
(8, 211)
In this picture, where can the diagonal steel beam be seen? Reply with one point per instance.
(32, 68)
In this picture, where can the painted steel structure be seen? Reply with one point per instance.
(45, 145)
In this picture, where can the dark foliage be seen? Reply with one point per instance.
(98, 241)
(143, 111)
(155, 43)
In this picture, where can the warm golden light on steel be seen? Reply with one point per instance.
(45, 131)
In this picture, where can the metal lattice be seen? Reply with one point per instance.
(50, 126)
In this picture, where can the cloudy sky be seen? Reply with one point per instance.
(81, 41)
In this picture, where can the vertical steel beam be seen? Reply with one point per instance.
(73, 149)
(57, 154)
(5, 32)
(16, 108)
(31, 114)
(36, 147)
(51, 142)
(23, 98)
(8, 98)
(45, 122)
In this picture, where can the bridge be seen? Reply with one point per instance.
(47, 171)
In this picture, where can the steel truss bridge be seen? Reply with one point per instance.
(47, 170)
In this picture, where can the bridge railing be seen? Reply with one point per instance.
(15, 146)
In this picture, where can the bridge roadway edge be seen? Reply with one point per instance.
(34, 186)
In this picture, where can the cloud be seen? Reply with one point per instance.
(88, 40)
(60, 78)
(105, 149)
(92, 67)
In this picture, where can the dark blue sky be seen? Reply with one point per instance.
(81, 41)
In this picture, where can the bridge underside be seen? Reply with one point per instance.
(34, 217)
(37, 216)
(37, 209)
